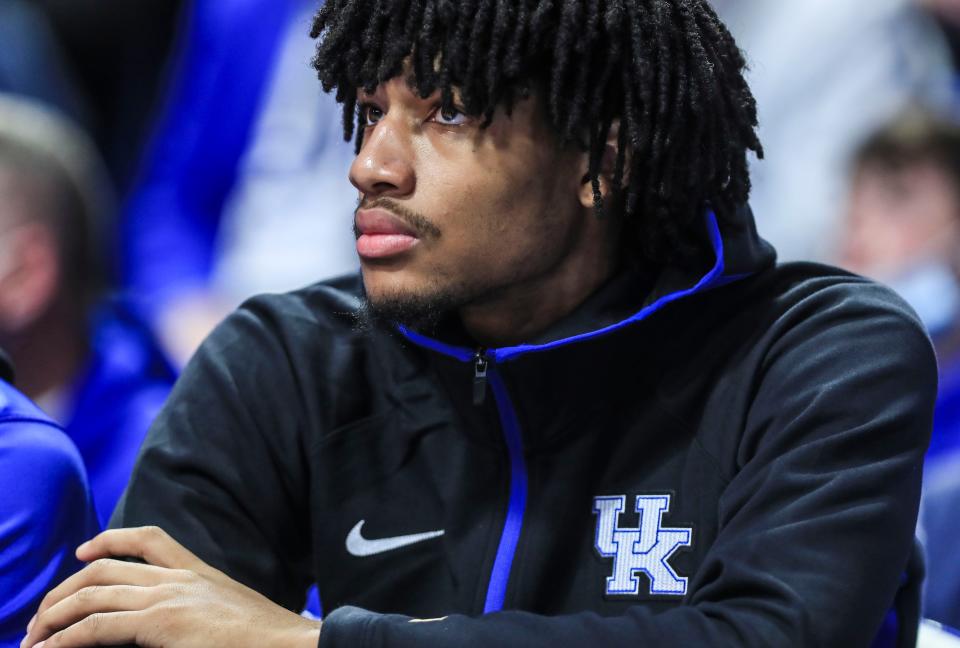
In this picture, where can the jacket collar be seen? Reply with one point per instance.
(737, 252)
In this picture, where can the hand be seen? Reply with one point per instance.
(175, 600)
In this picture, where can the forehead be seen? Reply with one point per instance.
(397, 86)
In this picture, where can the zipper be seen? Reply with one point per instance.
(517, 498)
(480, 367)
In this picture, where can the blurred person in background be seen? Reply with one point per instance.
(83, 358)
(826, 73)
(244, 188)
(903, 228)
(45, 507)
(100, 62)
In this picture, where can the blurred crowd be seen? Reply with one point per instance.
(161, 161)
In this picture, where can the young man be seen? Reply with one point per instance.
(45, 507)
(573, 402)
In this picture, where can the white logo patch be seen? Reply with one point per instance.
(359, 546)
(646, 548)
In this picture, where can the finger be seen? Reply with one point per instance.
(100, 629)
(87, 601)
(108, 572)
(150, 544)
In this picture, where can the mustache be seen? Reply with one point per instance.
(423, 228)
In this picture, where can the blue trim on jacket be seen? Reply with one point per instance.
(714, 278)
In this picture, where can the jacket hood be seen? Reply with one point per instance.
(737, 252)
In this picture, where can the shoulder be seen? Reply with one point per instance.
(16, 410)
(828, 345)
(797, 299)
(804, 284)
(334, 303)
(853, 318)
(817, 310)
(324, 313)
(804, 344)
(40, 468)
(305, 347)
(45, 509)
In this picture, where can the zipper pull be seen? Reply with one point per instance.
(480, 379)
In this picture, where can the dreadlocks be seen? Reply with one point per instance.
(667, 70)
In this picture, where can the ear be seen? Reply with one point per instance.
(29, 276)
(608, 164)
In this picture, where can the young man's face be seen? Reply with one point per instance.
(452, 215)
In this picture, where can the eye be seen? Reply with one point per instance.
(369, 113)
(450, 117)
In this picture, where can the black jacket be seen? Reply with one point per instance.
(738, 463)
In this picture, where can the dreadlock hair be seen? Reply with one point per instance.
(667, 70)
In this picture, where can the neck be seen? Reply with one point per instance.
(48, 356)
(525, 309)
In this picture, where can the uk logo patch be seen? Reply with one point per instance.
(645, 549)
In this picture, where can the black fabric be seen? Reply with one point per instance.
(909, 598)
(6, 367)
(786, 415)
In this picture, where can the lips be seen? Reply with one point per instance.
(382, 234)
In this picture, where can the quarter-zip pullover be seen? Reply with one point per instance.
(727, 453)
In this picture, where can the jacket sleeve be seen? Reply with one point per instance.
(222, 468)
(816, 526)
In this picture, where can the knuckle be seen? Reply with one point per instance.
(163, 615)
(86, 594)
(46, 601)
(99, 567)
(154, 532)
(176, 590)
(153, 536)
(41, 627)
(94, 623)
(185, 575)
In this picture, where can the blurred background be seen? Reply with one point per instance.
(162, 160)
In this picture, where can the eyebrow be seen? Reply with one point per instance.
(411, 83)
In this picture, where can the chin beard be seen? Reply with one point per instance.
(423, 312)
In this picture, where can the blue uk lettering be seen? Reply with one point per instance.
(645, 549)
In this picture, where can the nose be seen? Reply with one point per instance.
(384, 167)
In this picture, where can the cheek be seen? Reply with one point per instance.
(499, 201)
(511, 195)
(505, 224)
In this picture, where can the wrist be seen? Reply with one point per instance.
(305, 635)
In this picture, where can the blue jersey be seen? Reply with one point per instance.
(45, 510)
(116, 397)
(946, 417)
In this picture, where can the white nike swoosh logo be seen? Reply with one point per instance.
(359, 546)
